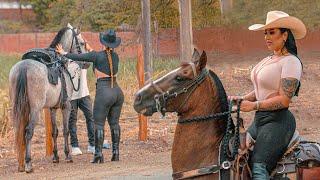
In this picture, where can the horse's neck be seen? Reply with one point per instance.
(196, 144)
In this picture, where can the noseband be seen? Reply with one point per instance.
(162, 97)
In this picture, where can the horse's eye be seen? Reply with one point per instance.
(179, 78)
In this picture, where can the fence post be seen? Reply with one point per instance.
(143, 121)
(48, 127)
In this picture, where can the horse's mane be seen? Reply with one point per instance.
(58, 37)
(221, 93)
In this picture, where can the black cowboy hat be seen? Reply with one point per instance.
(110, 39)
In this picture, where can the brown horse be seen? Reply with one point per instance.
(195, 145)
(200, 148)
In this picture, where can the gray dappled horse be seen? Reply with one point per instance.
(30, 92)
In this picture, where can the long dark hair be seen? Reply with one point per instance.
(290, 45)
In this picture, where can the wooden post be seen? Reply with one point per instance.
(226, 6)
(143, 121)
(156, 31)
(186, 40)
(48, 127)
(147, 44)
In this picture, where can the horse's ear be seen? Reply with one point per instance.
(195, 55)
(69, 26)
(202, 61)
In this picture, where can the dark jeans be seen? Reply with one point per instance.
(272, 131)
(85, 105)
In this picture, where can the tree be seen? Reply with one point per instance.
(40, 8)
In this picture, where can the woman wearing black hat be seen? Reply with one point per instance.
(109, 96)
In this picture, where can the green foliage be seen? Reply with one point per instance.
(205, 13)
(97, 15)
(40, 8)
(247, 12)
(103, 14)
(6, 62)
(165, 13)
(10, 26)
(60, 13)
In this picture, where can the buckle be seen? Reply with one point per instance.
(226, 165)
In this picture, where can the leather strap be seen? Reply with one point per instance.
(197, 172)
(193, 66)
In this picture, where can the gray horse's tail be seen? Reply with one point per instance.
(21, 111)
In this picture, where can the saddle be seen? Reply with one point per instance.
(50, 58)
(300, 154)
(55, 65)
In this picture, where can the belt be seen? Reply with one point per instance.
(106, 78)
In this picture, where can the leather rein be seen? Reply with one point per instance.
(77, 44)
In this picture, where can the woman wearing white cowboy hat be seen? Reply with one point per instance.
(109, 96)
(276, 79)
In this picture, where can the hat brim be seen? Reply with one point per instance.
(114, 44)
(297, 27)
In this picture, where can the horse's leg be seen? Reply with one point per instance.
(34, 116)
(55, 131)
(66, 115)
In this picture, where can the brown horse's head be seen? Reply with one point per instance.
(170, 93)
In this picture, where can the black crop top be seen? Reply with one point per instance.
(99, 59)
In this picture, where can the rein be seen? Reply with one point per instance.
(77, 44)
(225, 165)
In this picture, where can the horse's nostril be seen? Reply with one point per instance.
(138, 98)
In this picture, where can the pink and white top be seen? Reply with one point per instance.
(266, 75)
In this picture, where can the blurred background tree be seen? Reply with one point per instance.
(97, 15)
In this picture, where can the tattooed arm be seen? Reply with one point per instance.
(249, 97)
(288, 87)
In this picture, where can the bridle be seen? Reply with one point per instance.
(162, 97)
(74, 38)
(77, 44)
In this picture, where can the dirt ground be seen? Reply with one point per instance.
(151, 159)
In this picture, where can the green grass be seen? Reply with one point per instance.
(6, 62)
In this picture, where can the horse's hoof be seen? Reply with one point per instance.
(28, 168)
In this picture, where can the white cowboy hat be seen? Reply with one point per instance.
(279, 19)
